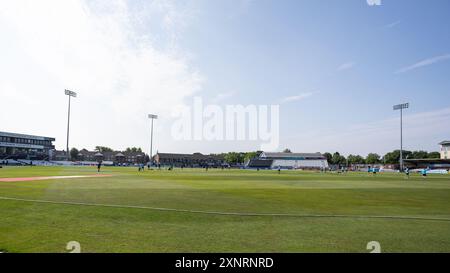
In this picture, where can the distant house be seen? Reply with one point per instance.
(58, 155)
(114, 157)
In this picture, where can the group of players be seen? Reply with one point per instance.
(141, 166)
(406, 171)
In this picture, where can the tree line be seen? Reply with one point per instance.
(373, 158)
(338, 159)
(334, 159)
(103, 149)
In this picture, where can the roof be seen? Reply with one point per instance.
(260, 163)
(8, 134)
(292, 155)
(108, 154)
(445, 142)
(119, 155)
(428, 160)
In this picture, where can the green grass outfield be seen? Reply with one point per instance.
(28, 226)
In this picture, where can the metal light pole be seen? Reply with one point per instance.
(152, 117)
(401, 107)
(70, 94)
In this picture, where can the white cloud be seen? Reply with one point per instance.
(423, 63)
(346, 66)
(298, 97)
(94, 48)
(393, 24)
(374, 2)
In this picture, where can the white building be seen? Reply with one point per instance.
(445, 149)
(289, 161)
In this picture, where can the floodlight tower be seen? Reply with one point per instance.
(401, 107)
(70, 94)
(152, 117)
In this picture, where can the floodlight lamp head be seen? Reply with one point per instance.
(401, 106)
(153, 116)
(70, 93)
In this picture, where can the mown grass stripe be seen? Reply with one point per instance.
(246, 214)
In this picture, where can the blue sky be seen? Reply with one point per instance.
(269, 50)
(294, 47)
(335, 67)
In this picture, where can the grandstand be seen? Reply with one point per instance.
(20, 146)
(305, 161)
(442, 163)
(189, 160)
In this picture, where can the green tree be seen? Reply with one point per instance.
(133, 150)
(231, 158)
(338, 159)
(394, 156)
(287, 150)
(434, 155)
(328, 156)
(335, 159)
(74, 154)
(372, 158)
(103, 149)
(250, 155)
(355, 159)
(418, 155)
